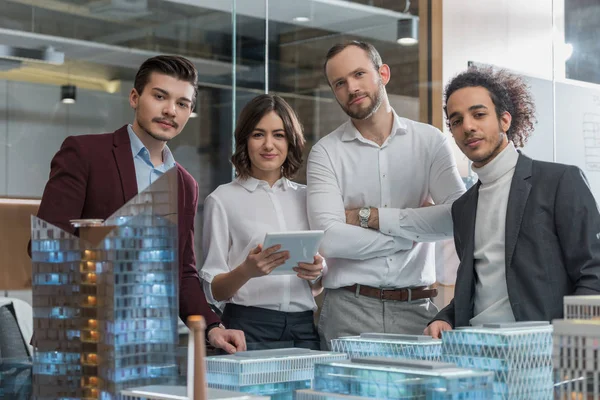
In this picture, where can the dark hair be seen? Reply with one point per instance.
(174, 66)
(508, 92)
(367, 47)
(250, 116)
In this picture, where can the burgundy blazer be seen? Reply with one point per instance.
(92, 176)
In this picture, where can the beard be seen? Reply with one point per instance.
(365, 113)
(485, 158)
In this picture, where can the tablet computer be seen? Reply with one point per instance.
(302, 245)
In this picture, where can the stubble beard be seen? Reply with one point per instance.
(376, 101)
(492, 154)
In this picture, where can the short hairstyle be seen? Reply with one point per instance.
(250, 116)
(174, 66)
(508, 92)
(367, 47)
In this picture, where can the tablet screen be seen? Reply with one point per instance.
(302, 245)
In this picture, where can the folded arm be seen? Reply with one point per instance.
(428, 224)
(326, 212)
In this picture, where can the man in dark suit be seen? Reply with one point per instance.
(528, 233)
(92, 176)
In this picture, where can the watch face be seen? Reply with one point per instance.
(364, 212)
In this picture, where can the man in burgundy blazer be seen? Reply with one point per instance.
(92, 176)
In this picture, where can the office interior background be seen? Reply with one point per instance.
(246, 47)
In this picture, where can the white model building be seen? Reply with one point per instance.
(276, 373)
(582, 307)
(158, 392)
(576, 358)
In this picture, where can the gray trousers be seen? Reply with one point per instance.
(346, 314)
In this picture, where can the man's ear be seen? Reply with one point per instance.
(505, 121)
(134, 97)
(385, 73)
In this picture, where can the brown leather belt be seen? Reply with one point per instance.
(402, 294)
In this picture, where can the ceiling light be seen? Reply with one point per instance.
(68, 94)
(407, 41)
(301, 19)
(408, 31)
(47, 55)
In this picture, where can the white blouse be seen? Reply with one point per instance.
(237, 216)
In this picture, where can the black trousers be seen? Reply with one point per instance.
(269, 329)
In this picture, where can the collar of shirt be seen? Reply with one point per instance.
(139, 150)
(250, 184)
(399, 127)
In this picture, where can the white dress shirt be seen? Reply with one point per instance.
(236, 218)
(347, 171)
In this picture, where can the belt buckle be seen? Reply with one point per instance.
(382, 293)
(409, 300)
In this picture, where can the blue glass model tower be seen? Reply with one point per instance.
(385, 378)
(106, 303)
(276, 373)
(519, 354)
(412, 347)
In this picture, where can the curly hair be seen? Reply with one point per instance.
(508, 92)
(250, 116)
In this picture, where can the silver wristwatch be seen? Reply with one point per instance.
(363, 216)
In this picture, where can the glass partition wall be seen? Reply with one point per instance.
(241, 48)
(246, 47)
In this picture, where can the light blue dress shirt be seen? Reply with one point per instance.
(145, 172)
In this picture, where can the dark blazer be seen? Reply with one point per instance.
(552, 243)
(92, 176)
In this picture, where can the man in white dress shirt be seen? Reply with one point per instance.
(367, 184)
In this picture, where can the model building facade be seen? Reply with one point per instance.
(106, 303)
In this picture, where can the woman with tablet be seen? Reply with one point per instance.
(272, 310)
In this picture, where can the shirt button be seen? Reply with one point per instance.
(384, 175)
(390, 259)
(385, 205)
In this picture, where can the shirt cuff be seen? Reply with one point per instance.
(325, 267)
(207, 286)
(389, 221)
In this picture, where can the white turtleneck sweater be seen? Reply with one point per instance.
(491, 295)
